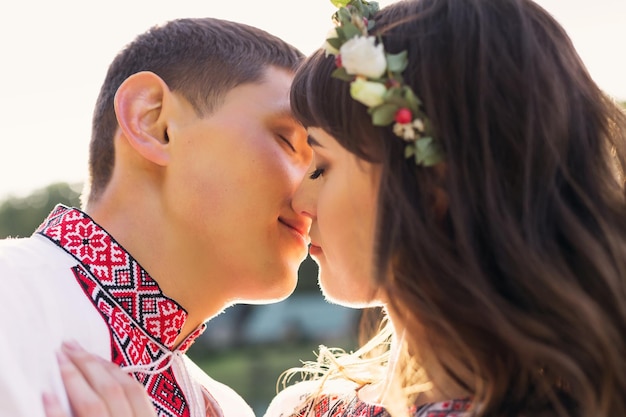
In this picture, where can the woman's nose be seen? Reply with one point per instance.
(305, 198)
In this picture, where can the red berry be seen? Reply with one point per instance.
(403, 116)
(338, 61)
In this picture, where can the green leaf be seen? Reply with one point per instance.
(370, 9)
(384, 114)
(393, 92)
(397, 62)
(334, 42)
(409, 150)
(409, 99)
(427, 152)
(344, 15)
(397, 77)
(358, 5)
(410, 96)
(340, 3)
(342, 74)
(340, 34)
(418, 158)
(431, 159)
(350, 30)
(394, 96)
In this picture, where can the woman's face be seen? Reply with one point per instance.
(340, 196)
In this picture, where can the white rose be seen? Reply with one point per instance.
(369, 93)
(361, 56)
(331, 50)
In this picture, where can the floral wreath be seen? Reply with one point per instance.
(376, 79)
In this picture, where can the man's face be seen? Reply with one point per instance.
(228, 192)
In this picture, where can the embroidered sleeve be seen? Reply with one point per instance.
(452, 408)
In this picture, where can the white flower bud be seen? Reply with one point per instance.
(360, 56)
(369, 93)
(418, 124)
(409, 133)
(404, 131)
(328, 48)
(398, 130)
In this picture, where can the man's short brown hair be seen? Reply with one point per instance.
(201, 58)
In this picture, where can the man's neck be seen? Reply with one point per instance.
(147, 239)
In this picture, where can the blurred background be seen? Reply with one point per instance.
(54, 56)
(248, 346)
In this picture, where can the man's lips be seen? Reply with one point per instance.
(299, 228)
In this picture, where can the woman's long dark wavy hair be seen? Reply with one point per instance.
(519, 287)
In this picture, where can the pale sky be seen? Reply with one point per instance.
(55, 55)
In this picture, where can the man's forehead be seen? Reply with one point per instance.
(286, 116)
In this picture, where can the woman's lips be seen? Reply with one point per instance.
(315, 250)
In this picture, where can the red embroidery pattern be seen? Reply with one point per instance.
(453, 408)
(143, 322)
(341, 406)
(351, 406)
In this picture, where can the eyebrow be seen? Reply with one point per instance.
(284, 115)
(312, 142)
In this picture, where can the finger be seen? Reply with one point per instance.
(135, 392)
(106, 388)
(52, 406)
(122, 394)
(83, 399)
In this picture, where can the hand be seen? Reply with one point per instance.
(96, 388)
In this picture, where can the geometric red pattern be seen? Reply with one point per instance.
(142, 321)
(452, 408)
(350, 405)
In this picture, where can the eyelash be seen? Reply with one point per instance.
(287, 142)
(318, 172)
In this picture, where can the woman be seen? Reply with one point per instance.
(469, 178)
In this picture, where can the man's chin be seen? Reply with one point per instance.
(275, 292)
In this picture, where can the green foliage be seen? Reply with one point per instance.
(383, 115)
(20, 216)
(382, 90)
(342, 74)
(397, 62)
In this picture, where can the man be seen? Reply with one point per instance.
(194, 159)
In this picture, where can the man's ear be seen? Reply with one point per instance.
(139, 110)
